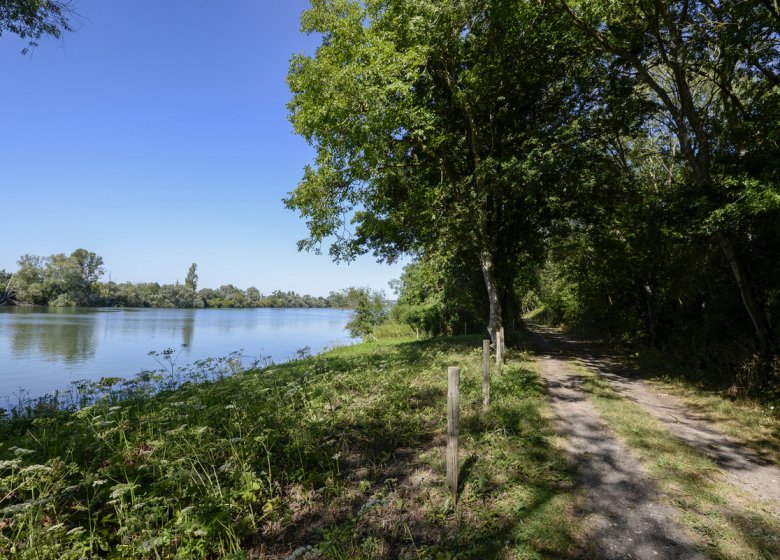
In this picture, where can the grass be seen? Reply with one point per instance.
(335, 456)
(753, 421)
(755, 424)
(725, 522)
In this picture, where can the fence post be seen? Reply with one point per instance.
(503, 346)
(485, 374)
(453, 427)
(499, 347)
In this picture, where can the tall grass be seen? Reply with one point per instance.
(339, 453)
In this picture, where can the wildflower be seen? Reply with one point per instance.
(21, 451)
(34, 469)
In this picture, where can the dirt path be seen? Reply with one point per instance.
(740, 467)
(627, 519)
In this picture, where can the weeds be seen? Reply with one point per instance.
(333, 456)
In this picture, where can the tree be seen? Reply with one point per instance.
(191, 285)
(33, 19)
(435, 124)
(191, 281)
(7, 292)
(438, 294)
(710, 70)
(369, 312)
(29, 280)
(90, 265)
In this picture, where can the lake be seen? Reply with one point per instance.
(43, 349)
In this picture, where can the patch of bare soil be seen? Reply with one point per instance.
(626, 518)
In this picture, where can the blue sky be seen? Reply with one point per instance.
(156, 135)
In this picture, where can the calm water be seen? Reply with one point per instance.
(45, 349)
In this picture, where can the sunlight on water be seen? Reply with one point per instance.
(43, 349)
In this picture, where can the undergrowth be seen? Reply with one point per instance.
(335, 456)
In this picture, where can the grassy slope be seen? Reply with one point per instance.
(341, 452)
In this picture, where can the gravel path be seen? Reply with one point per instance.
(627, 519)
(740, 467)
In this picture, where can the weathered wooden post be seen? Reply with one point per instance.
(503, 346)
(485, 374)
(453, 428)
(500, 347)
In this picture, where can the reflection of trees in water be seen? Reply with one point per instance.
(71, 339)
(187, 327)
(166, 325)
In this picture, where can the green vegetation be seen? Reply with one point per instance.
(370, 311)
(33, 19)
(343, 452)
(726, 523)
(755, 424)
(612, 166)
(74, 281)
(616, 162)
(437, 296)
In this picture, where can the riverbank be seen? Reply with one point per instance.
(342, 452)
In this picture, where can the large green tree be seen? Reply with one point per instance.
(435, 123)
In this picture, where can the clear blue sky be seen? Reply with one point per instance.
(156, 135)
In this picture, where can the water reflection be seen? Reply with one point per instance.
(42, 349)
(69, 337)
(187, 327)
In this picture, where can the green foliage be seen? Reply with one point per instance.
(696, 260)
(33, 19)
(67, 280)
(438, 295)
(370, 311)
(73, 281)
(312, 453)
(435, 125)
(634, 267)
(191, 285)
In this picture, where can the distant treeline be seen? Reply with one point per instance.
(74, 281)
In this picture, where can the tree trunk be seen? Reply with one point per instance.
(753, 307)
(494, 300)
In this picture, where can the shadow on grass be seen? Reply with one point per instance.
(516, 490)
(618, 370)
(726, 526)
(343, 451)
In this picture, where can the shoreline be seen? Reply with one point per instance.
(48, 349)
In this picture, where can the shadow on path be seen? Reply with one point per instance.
(741, 467)
(627, 519)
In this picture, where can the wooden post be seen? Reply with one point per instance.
(503, 346)
(485, 374)
(453, 427)
(499, 347)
